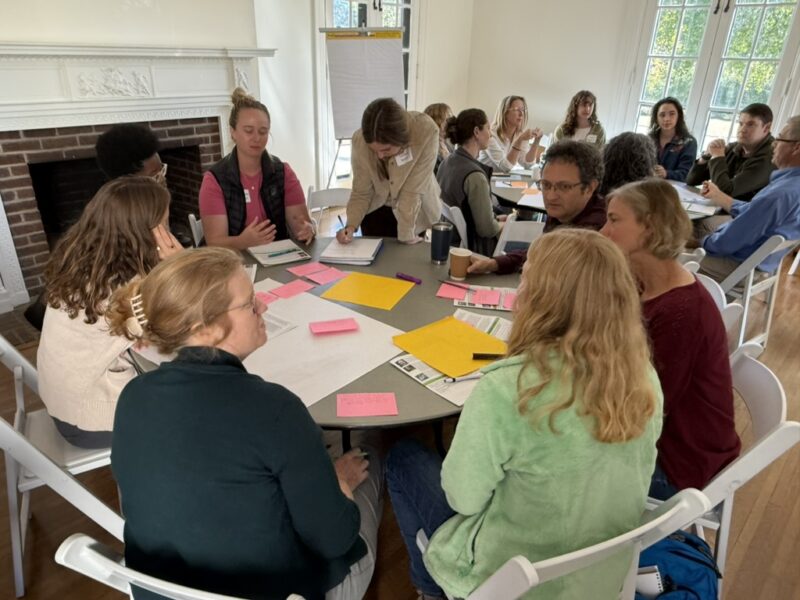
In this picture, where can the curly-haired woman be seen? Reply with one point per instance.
(581, 123)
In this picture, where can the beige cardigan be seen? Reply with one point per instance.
(82, 370)
(411, 190)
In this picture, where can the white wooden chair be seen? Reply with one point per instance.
(456, 217)
(731, 311)
(517, 231)
(518, 574)
(743, 284)
(696, 255)
(196, 225)
(322, 199)
(36, 454)
(89, 557)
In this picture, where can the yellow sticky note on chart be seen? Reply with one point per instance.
(369, 290)
(448, 345)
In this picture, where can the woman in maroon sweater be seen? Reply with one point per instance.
(690, 347)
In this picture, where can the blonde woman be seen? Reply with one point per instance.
(121, 235)
(556, 445)
(225, 482)
(690, 346)
(512, 143)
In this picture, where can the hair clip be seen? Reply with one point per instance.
(136, 323)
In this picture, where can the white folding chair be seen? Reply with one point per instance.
(696, 255)
(196, 225)
(518, 574)
(456, 217)
(731, 311)
(89, 557)
(795, 264)
(322, 199)
(744, 274)
(692, 266)
(517, 231)
(36, 454)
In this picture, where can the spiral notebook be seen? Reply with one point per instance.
(278, 253)
(361, 251)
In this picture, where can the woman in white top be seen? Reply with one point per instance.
(512, 143)
(581, 123)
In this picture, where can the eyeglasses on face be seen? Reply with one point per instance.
(561, 187)
(161, 176)
(250, 304)
(786, 141)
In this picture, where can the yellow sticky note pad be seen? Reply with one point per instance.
(369, 290)
(448, 345)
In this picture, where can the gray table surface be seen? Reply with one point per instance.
(417, 308)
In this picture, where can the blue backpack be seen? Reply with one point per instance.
(687, 567)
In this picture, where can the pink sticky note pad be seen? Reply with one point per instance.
(451, 292)
(266, 297)
(489, 297)
(335, 326)
(508, 300)
(306, 269)
(298, 286)
(366, 405)
(326, 276)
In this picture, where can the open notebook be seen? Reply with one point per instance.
(278, 253)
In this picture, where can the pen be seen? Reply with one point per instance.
(464, 378)
(458, 285)
(408, 278)
(282, 252)
(486, 355)
(340, 221)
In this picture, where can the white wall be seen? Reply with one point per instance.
(194, 23)
(547, 50)
(287, 81)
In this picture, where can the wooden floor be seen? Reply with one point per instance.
(764, 558)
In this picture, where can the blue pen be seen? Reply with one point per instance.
(410, 278)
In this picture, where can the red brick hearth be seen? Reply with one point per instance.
(191, 146)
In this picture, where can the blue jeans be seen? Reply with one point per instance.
(413, 478)
(661, 488)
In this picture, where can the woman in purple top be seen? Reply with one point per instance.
(690, 347)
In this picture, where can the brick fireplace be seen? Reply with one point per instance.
(188, 146)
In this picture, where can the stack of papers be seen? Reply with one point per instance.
(361, 251)
(278, 253)
(692, 200)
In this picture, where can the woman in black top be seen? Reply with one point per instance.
(225, 481)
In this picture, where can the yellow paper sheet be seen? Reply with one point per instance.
(448, 345)
(369, 290)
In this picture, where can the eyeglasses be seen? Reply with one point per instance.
(562, 187)
(785, 141)
(161, 176)
(516, 110)
(250, 304)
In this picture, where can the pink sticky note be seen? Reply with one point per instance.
(306, 269)
(266, 297)
(366, 405)
(488, 297)
(298, 286)
(508, 300)
(326, 276)
(451, 292)
(335, 326)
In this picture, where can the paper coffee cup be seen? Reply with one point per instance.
(459, 261)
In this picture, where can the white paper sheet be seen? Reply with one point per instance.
(315, 366)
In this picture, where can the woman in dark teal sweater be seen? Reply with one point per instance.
(225, 481)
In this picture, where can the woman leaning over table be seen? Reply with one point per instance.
(690, 346)
(224, 479)
(581, 123)
(395, 193)
(676, 147)
(512, 143)
(251, 197)
(555, 446)
(465, 181)
(121, 235)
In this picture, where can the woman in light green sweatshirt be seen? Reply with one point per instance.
(556, 445)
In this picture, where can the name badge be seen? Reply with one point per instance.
(592, 138)
(247, 196)
(404, 157)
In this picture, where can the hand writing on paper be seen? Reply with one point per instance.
(351, 470)
(166, 243)
(345, 235)
(256, 234)
(660, 171)
(480, 265)
(716, 195)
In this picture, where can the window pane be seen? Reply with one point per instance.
(389, 16)
(730, 83)
(773, 32)
(743, 32)
(669, 2)
(666, 31)
(657, 70)
(759, 82)
(691, 33)
(643, 118)
(680, 80)
(720, 125)
(341, 13)
(698, 2)
(407, 25)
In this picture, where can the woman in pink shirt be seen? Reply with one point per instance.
(250, 197)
